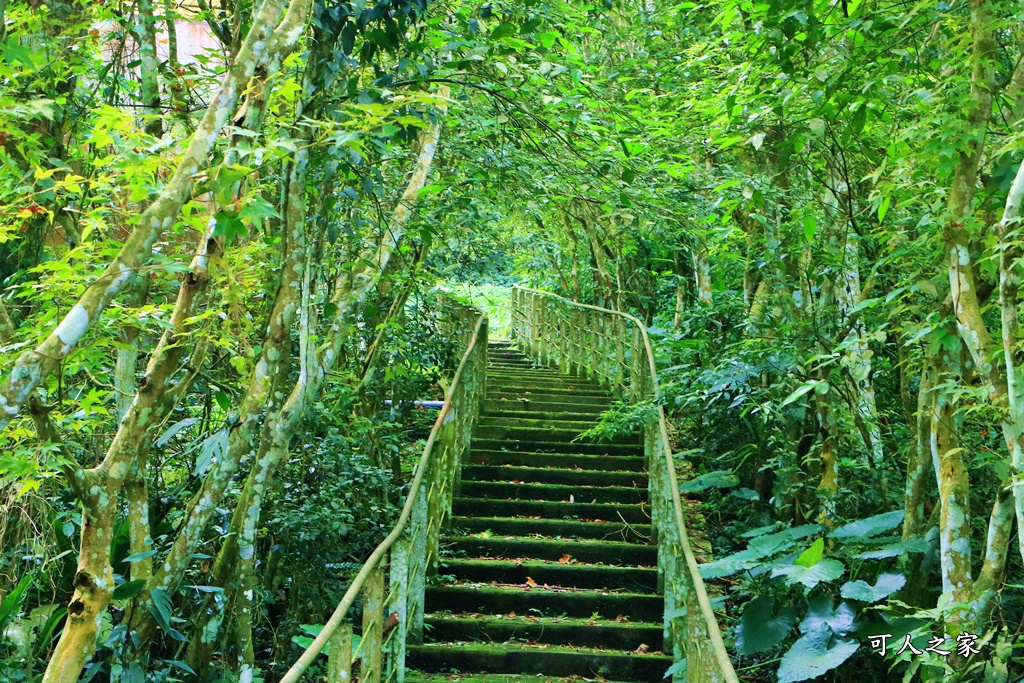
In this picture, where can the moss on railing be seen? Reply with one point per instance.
(393, 614)
(612, 347)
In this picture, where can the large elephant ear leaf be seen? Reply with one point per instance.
(886, 585)
(759, 629)
(869, 526)
(813, 654)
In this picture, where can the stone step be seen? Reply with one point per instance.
(583, 551)
(511, 490)
(554, 574)
(606, 633)
(548, 446)
(536, 422)
(525, 388)
(539, 659)
(551, 475)
(484, 507)
(543, 602)
(529, 404)
(552, 528)
(565, 461)
(490, 430)
(512, 412)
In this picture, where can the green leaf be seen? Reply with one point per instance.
(821, 613)
(759, 630)
(737, 562)
(223, 400)
(883, 208)
(228, 226)
(811, 656)
(11, 603)
(869, 526)
(719, 479)
(824, 571)
(128, 590)
(771, 543)
(810, 226)
(174, 429)
(547, 39)
(812, 555)
(817, 127)
(504, 30)
(677, 668)
(135, 557)
(805, 388)
(160, 608)
(913, 545)
(886, 585)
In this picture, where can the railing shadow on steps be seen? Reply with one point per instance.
(411, 548)
(613, 348)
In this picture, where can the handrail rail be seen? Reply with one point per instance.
(374, 561)
(713, 630)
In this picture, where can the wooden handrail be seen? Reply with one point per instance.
(309, 656)
(714, 632)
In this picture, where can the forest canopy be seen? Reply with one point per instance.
(233, 234)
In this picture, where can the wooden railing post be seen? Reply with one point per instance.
(399, 606)
(373, 627)
(339, 657)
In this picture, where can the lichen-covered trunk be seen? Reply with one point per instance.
(6, 325)
(31, 367)
(234, 568)
(828, 485)
(99, 488)
(1012, 359)
(702, 271)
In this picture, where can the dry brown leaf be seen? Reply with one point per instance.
(621, 618)
(642, 650)
(530, 582)
(564, 559)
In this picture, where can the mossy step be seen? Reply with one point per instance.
(544, 388)
(484, 507)
(555, 475)
(539, 376)
(514, 361)
(565, 461)
(544, 602)
(544, 660)
(564, 492)
(536, 422)
(424, 677)
(582, 551)
(607, 633)
(569, 399)
(554, 574)
(512, 411)
(552, 528)
(527, 404)
(503, 432)
(548, 446)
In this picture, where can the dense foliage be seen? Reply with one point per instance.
(219, 278)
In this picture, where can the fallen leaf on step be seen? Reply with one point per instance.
(564, 559)
(571, 498)
(621, 618)
(511, 614)
(530, 582)
(642, 650)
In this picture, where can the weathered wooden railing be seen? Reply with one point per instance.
(613, 347)
(411, 548)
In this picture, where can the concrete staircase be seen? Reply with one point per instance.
(548, 571)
